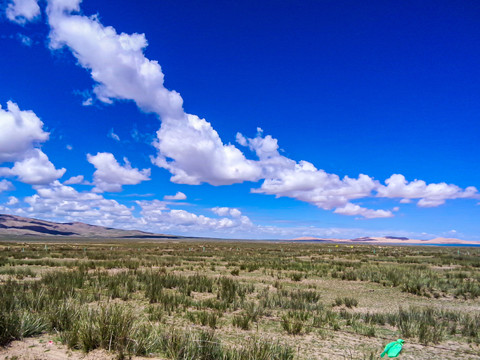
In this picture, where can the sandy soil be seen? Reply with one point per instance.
(45, 348)
(329, 346)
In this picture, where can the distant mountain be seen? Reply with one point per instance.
(392, 240)
(11, 225)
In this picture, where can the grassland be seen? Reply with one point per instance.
(240, 300)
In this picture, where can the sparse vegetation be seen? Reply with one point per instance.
(218, 300)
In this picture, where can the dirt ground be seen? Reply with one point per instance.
(46, 348)
(338, 346)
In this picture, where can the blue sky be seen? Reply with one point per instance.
(251, 119)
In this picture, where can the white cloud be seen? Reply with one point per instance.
(86, 96)
(266, 147)
(429, 195)
(79, 179)
(353, 209)
(20, 132)
(25, 40)
(63, 203)
(12, 200)
(113, 136)
(87, 102)
(303, 181)
(116, 61)
(58, 202)
(221, 211)
(178, 196)
(159, 217)
(21, 11)
(226, 211)
(36, 169)
(199, 155)
(110, 175)
(5, 185)
(153, 207)
(187, 146)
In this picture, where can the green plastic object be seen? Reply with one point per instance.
(393, 349)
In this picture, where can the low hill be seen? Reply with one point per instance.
(11, 225)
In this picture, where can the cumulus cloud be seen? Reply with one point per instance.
(199, 155)
(21, 132)
(158, 216)
(63, 203)
(116, 61)
(429, 195)
(303, 181)
(12, 200)
(178, 196)
(79, 179)
(353, 209)
(36, 169)
(189, 147)
(22, 11)
(5, 185)
(110, 175)
(153, 207)
(226, 211)
(58, 202)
